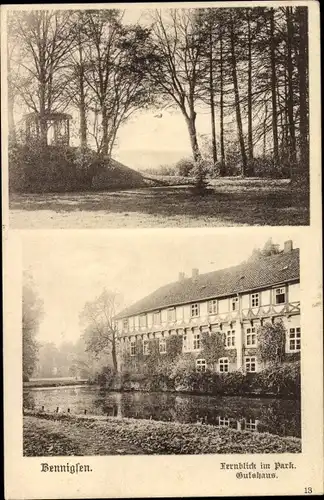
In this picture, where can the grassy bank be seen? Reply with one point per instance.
(230, 202)
(55, 435)
(54, 382)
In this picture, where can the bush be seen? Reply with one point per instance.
(106, 377)
(280, 379)
(33, 168)
(184, 167)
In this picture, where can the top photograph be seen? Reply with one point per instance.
(144, 117)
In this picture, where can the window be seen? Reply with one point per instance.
(223, 422)
(157, 318)
(125, 324)
(196, 341)
(212, 306)
(223, 365)
(255, 300)
(171, 314)
(162, 346)
(250, 364)
(133, 348)
(230, 338)
(280, 295)
(251, 425)
(294, 339)
(235, 303)
(146, 347)
(142, 320)
(194, 310)
(201, 365)
(251, 337)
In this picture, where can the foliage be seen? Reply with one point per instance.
(279, 379)
(185, 167)
(33, 167)
(154, 362)
(32, 313)
(213, 347)
(271, 342)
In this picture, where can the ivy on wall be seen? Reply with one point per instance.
(174, 361)
(154, 361)
(271, 342)
(213, 348)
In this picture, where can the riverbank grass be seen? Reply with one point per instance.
(57, 435)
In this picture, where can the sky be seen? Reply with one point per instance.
(148, 139)
(72, 267)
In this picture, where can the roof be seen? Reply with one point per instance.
(249, 275)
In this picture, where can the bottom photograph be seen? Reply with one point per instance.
(164, 343)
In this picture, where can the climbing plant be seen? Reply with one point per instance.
(271, 342)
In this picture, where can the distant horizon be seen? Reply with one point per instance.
(143, 159)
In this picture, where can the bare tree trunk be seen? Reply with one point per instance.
(104, 124)
(237, 103)
(274, 89)
(191, 124)
(250, 130)
(303, 79)
(221, 104)
(212, 98)
(114, 353)
(290, 102)
(42, 117)
(11, 121)
(265, 127)
(82, 107)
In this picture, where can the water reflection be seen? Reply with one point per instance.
(281, 417)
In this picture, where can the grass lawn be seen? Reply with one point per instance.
(229, 202)
(54, 382)
(57, 435)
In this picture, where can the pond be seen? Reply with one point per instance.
(276, 416)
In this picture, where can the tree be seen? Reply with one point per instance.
(236, 93)
(173, 65)
(302, 13)
(271, 342)
(32, 313)
(100, 331)
(45, 39)
(113, 71)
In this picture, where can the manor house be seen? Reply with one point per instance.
(235, 302)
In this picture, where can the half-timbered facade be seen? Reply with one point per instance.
(235, 301)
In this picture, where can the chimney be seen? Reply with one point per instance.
(181, 277)
(288, 246)
(195, 273)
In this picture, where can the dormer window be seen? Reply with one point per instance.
(280, 295)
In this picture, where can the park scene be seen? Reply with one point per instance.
(105, 378)
(145, 117)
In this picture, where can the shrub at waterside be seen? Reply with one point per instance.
(175, 371)
(275, 380)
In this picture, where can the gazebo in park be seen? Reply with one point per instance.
(57, 126)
